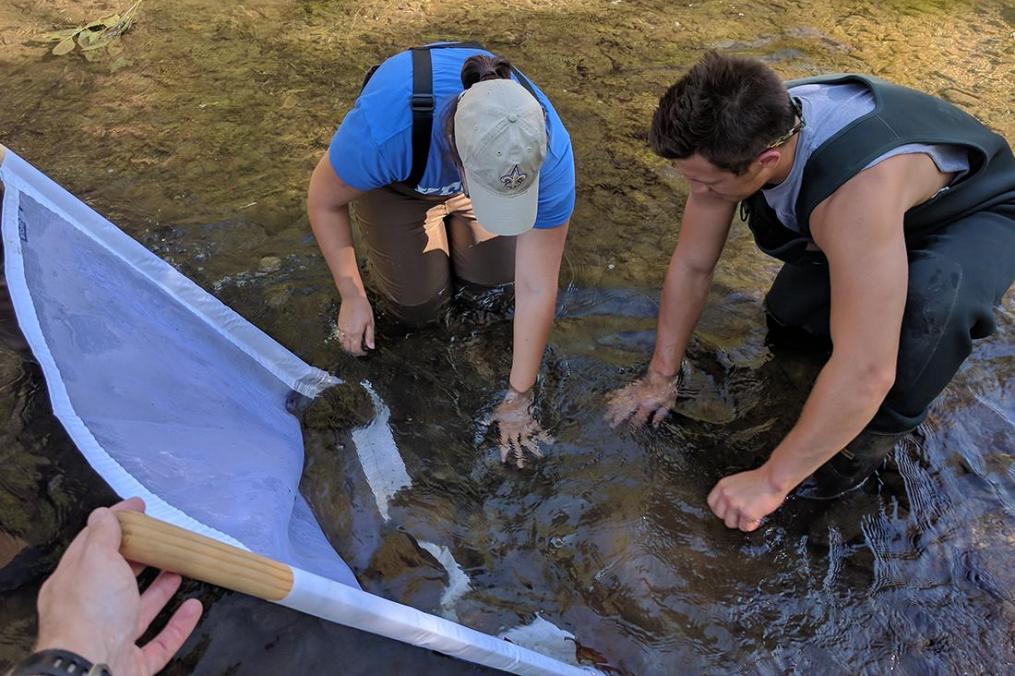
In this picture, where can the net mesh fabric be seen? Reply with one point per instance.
(168, 393)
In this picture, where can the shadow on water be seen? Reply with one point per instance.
(201, 149)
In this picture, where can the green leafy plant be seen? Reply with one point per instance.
(93, 35)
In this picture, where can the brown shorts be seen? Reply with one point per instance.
(419, 246)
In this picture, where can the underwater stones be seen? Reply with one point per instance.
(959, 97)
(269, 264)
(341, 407)
(410, 574)
(22, 563)
(279, 295)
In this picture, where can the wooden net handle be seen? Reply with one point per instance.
(162, 545)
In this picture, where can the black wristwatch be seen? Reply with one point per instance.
(58, 663)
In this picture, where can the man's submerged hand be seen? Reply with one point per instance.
(743, 500)
(652, 395)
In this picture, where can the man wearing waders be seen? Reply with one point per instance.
(463, 178)
(895, 215)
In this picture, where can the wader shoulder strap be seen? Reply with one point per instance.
(901, 116)
(422, 105)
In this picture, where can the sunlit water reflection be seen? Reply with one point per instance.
(610, 536)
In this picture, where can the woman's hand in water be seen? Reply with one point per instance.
(356, 325)
(651, 395)
(519, 431)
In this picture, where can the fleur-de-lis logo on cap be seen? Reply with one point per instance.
(515, 179)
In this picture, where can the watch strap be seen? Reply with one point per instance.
(58, 663)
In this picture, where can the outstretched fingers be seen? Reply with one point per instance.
(157, 653)
(619, 406)
(155, 598)
(645, 409)
(505, 444)
(660, 415)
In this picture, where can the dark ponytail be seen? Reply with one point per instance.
(476, 68)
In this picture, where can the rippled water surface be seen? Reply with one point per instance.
(198, 139)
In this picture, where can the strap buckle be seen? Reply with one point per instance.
(422, 103)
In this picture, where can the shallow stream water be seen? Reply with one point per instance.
(198, 138)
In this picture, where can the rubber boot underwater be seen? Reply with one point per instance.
(850, 467)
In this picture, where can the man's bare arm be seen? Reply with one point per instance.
(860, 229)
(704, 228)
(703, 232)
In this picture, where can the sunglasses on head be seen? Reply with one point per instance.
(800, 124)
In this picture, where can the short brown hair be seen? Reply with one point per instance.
(726, 108)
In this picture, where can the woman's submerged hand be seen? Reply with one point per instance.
(651, 395)
(520, 432)
(356, 326)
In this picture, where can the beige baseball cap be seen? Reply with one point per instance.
(500, 132)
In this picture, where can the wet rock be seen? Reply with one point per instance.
(340, 407)
(782, 55)
(734, 45)
(409, 573)
(811, 33)
(277, 296)
(986, 565)
(840, 520)
(269, 264)
(11, 368)
(960, 97)
(706, 399)
(26, 564)
(10, 547)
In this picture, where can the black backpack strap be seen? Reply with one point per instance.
(423, 103)
(422, 106)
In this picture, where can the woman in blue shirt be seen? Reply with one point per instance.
(491, 207)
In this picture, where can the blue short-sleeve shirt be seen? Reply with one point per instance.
(373, 146)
